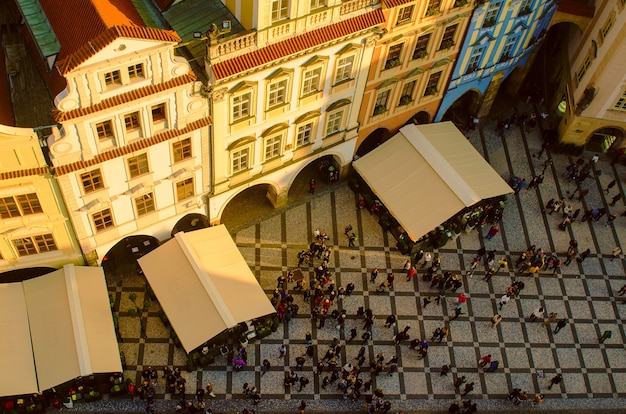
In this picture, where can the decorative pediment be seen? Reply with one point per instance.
(307, 116)
(519, 27)
(279, 73)
(351, 47)
(241, 142)
(486, 37)
(316, 60)
(414, 72)
(274, 129)
(441, 62)
(338, 104)
(241, 86)
(387, 82)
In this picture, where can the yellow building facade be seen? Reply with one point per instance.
(412, 63)
(34, 223)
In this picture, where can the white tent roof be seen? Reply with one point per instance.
(63, 321)
(204, 284)
(425, 174)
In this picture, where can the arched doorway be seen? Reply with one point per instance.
(191, 222)
(465, 106)
(325, 171)
(420, 118)
(121, 259)
(19, 275)
(372, 141)
(248, 206)
(604, 139)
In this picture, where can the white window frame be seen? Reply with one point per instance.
(473, 64)
(493, 10)
(240, 166)
(279, 11)
(312, 80)
(335, 121)
(317, 4)
(345, 68)
(276, 89)
(402, 14)
(273, 147)
(305, 133)
(237, 102)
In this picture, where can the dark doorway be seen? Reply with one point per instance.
(465, 106)
(121, 259)
(191, 222)
(19, 275)
(248, 206)
(372, 141)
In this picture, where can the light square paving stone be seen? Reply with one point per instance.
(542, 358)
(155, 353)
(481, 307)
(550, 286)
(573, 383)
(464, 357)
(604, 310)
(517, 357)
(405, 305)
(496, 383)
(568, 357)
(586, 333)
(415, 383)
(619, 378)
(616, 357)
(600, 383)
(458, 331)
(593, 357)
(512, 332)
(574, 287)
(597, 287)
(580, 309)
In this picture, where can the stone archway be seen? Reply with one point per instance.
(121, 259)
(325, 170)
(372, 141)
(465, 106)
(420, 118)
(605, 139)
(248, 206)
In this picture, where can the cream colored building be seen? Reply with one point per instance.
(34, 224)
(286, 92)
(131, 153)
(593, 99)
(412, 63)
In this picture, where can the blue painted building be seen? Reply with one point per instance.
(502, 36)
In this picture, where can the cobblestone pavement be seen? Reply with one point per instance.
(594, 375)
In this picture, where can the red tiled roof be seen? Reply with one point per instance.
(135, 146)
(395, 3)
(124, 98)
(297, 44)
(24, 173)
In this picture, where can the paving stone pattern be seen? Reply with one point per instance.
(594, 375)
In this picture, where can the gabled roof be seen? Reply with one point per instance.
(85, 27)
(123, 98)
(297, 44)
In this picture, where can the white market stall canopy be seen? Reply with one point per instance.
(204, 284)
(55, 328)
(425, 174)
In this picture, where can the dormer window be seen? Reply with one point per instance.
(112, 78)
(135, 71)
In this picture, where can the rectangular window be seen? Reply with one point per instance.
(605, 29)
(406, 96)
(240, 160)
(158, 113)
(138, 165)
(135, 71)
(344, 69)
(620, 105)
(421, 46)
(492, 14)
(433, 84)
(381, 102)
(311, 82)
(305, 133)
(280, 9)
(112, 78)
(393, 56)
(8, 208)
(448, 37)
(144, 204)
(35, 244)
(507, 51)
(334, 122)
(433, 7)
(525, 7)
(474, 60)
(316, 4)
(92, 181)
(182, 149)
(105, 130)
(583, 69)
(131, 121)
(277, 93)
(102, 220)
(184, 189)
(405, 14)
(273, 146)
(241, 106)
(29, 204)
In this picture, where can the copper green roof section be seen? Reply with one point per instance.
(41, 30)
(189, 16)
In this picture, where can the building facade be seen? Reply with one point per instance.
(502, 37)
(411, 65)
(34, 223)
(131, 150)
(590, 96)
(286, 92)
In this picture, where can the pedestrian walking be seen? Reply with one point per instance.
(428, 257)
(537, 399)
(457, 312)
(303, 382)
(427, 300)
(573, 244)
(582, 256)
(312, 186)
(622, 290)
(560, 325)
(556, 380)
(605, 335)
(493, 366)
(302, 406)
(615, 199)
(610, 219)
(616, 252)
(538, 313)
(458, 382)
(609, 186)
(468, 388)
(374, 275)
(495, 320)
(493, 231)
(351, 240)
(485, 360)
(444, 370)
(282, 351)
(504, 300)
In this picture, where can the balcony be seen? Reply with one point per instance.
(356, 5)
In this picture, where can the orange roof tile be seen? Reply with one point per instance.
(124, 98)
(130, 148)
(24, 173)
(297, 44)
(395, 3)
